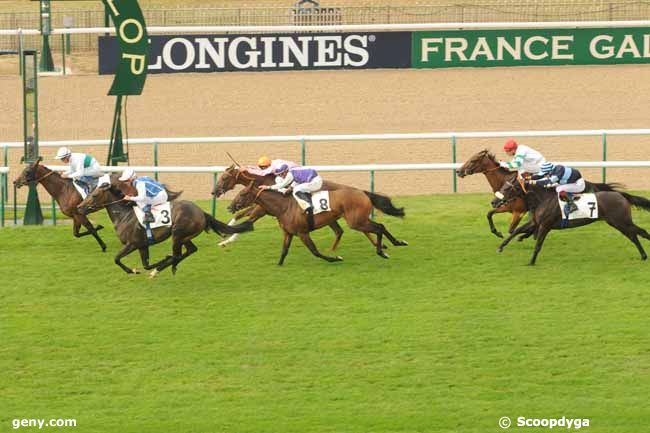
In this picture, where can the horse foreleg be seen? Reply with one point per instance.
(93, 231)
(285, 247)
(542, 231)
(304, 237)
(493, 229)
(528, 228)
(516, 219)
(254, 215)
(338, 232)
(125, 251)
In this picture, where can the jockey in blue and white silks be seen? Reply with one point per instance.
(150, 192)
(84, 169)
(303, 180)
(565, 180)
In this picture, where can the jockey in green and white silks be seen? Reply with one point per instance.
(84, 169)
(150, 192)
(525, 159)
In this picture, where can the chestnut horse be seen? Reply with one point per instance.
(352, 204)
(235, 175)
(65, 194)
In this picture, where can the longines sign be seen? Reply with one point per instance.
(434, 49)
(267, 52)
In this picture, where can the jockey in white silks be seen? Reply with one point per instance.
(525, 159)
(303, 180)
(150, 192)
(84, 170)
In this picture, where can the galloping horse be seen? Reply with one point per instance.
(485, 162)
(235, 175)
(188, 221)
(65, 194)
(613, 206)
(352, 204)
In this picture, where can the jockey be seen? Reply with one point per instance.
(566, 181)
(267, 166)
(150, 192)
(526, 160)
(304, 180)
(84, 169)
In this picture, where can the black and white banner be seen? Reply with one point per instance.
(267, 52)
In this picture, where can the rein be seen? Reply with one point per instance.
(105, 205)
(244, 175)
(43, 177)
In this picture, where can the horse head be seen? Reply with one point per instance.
(98, 199)
(478, 163)
(244, 199)
(226, 181)
(30, 173)
(511, 190)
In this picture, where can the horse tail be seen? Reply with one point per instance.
(637, 201)
(224, 229)
(384, 204)
(606, 186)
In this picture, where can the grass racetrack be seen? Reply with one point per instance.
(446, 336)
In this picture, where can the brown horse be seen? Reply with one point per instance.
(188, 221)
(235, 175)
(614, 207)
(352, 204)
(485, 162)
(65, 194)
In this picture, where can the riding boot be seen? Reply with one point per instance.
(570, 204)
(306, 197)
(148, 216)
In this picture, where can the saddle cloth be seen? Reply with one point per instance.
(321, 202)
(587, 207)
(161, 212)
(92, 181)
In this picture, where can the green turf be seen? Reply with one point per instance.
(446, 336)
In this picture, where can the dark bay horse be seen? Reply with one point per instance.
(235, 175)
(497, 176)
(188, 221)
(352, 204)
(65, 194)
(614, 207)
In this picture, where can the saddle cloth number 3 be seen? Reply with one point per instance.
(162, 214)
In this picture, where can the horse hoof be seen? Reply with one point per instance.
(339, 258)
(499, 250)
(383, 255)
(173, 271)
(223, 244)
(99, 227)
(498, 234)
(135, 271)
(153, 273)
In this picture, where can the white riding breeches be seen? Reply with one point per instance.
(159, 198)
(93, 171)
(579, 186)
(314, 185)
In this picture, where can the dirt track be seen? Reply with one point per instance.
(279, 103)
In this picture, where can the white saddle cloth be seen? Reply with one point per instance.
(161, 212)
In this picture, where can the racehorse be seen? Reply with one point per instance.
(497, 176)
(187, 221)
(235, 175)
(65, 194)
(614, 207)
(352, 204)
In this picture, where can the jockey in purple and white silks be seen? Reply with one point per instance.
(303, 180)
(150, 192)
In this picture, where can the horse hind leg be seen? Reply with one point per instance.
(309, 243)
(338, 232)
(190, 249)
(391, 238)
(631, 231)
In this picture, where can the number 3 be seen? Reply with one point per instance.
(165, 217)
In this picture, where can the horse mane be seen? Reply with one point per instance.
(490, 155)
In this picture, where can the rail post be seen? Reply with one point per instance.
(453, 159)
(63, 53)
(604, 156)
(155, 158)
(372, 189)
(3, 183)
(302, 151)
(214, 197)
(5, 152)
(53, 212)
(21, 44)
(15, 208)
